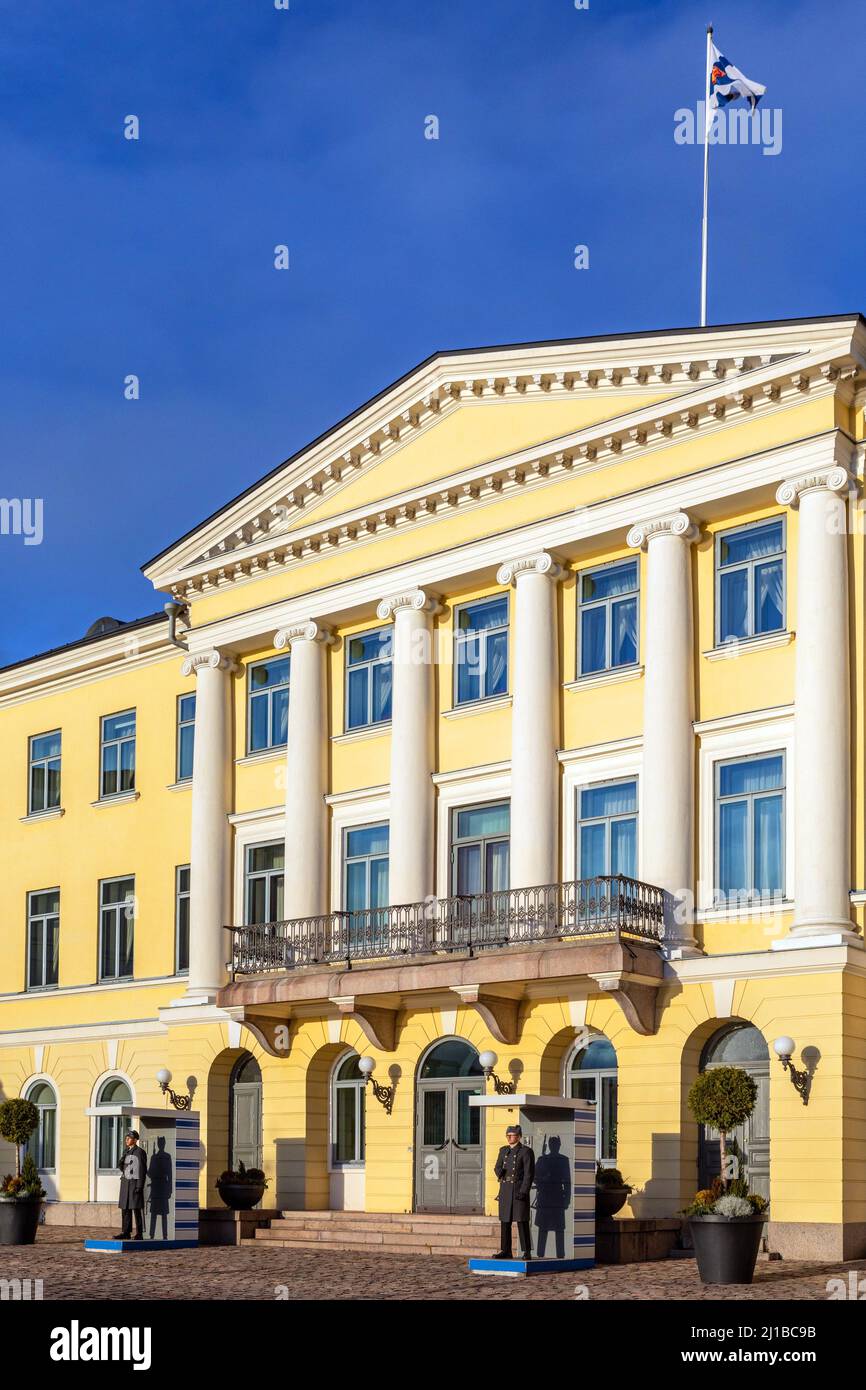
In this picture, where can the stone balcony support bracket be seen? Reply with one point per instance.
(499, 1012)
(378, 1022)
(636, 998)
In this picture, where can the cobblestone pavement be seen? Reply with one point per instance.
(256, 1273)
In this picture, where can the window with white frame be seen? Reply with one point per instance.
(181, 918)
(111, 1130)
(117, 754)
(365, 867)
(750, 580)
(43, 783)
(608, 617)
(750, 828)
(481, 650)
(591, 1075)
(347, 1113)
(368, 678)
(42, 1144)
(607, 829)
(43, 938)
(116, 927)
(185, 737)
(264, 879)
(481, 849)
(268, 704)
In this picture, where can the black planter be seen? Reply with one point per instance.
(19, 1220)
(609, 1200)
(241, 1196)
(726, 1247)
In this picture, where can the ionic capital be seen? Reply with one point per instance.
(306, 631)
(540, 562)
(835, 479)
(415, 599)
(677, 524)
(209, 660)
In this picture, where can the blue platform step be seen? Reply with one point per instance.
(132, 1247)
(516, 1268)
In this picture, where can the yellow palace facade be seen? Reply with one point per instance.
(521, 712)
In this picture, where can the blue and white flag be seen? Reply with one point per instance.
(727, 83)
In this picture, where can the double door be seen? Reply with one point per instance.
(449, 1155)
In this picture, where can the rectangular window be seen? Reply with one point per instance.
(607, 830)
(116, 926)
(368, 678)
(43, 938)
(185, 736)
(608, 618)
(268, 704)
(750, 827)
(44, 774)
(181, 918)
(117, 760)
(481, 650)
(365, 867)
(481, 849)
(750, 581)
(264, 882)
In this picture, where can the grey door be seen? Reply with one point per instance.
(246, 1114)
(750, 1141)
(449, 1164)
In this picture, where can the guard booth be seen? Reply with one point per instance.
(561, 1134)
(171, 1143)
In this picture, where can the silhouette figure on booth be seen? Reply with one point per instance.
(159, 1171)
(552, 1195)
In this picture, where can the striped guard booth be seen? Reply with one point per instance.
(584, 1186)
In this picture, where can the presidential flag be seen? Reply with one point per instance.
(727, 83)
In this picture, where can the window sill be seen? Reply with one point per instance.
(184, 786)
(744, 912)
(729, 651)
(121, 799)
(50, 814)
(264, 755)
(619, 673)
(477, 707)
(365, 731)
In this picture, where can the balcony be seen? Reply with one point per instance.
(613, 906)
(489, 952)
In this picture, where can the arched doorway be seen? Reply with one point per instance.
(740, 1045)
(449, 1133)
(591, 1075)
(245, 1113)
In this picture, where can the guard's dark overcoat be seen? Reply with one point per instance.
(133, 1171)
(515, 1169)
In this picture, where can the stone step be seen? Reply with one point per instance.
(298, 1242)
(380, 1218)
(431, 1228)
(375, 1240)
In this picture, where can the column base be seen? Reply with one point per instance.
(682, 950)
(808, 934)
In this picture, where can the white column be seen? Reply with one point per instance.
(411, 876)
(534, 720)
(305, 893)
(822, 734)
(210, 868)
(668, 776)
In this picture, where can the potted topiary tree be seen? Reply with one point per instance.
(726, 1220)
(242, 1189)
(21, 1193)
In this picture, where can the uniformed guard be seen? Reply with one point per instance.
(515, 1169)
(133, 1171)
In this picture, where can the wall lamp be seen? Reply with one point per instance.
(163, 1076)
(801, 1080)
(383, 1094)
(488, 1061)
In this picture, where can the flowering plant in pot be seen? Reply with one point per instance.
(21, 1193)
(242, 1188)
(611, 1192)
(726, 1220)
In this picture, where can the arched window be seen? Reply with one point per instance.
(591, 1075)
(111, 1129)
(735, 1046)
(42, 1144)
(453, 1057)
(347, 1113)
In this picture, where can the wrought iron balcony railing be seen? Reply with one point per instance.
(612, 906)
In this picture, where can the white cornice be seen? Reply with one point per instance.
(264, 533)
(79, 665)
(566, 535)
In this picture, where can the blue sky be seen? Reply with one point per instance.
(306, 127)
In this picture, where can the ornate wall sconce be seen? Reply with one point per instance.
(383, 1094)
(163, 1076)
(488, 1061)
(800, 1080)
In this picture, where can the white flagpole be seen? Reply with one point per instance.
(706, 177)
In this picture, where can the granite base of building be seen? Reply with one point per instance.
(635, 1240)
(219, 1226)
(816, 1240)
